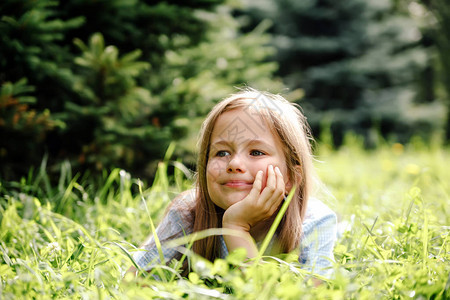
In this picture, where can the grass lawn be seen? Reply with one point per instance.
(73, 239)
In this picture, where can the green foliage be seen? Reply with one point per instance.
(75, 239)
(359, 63)
(197, 77)
(20, 125)
(124, 78)
(32, 62)
(112, 107)
(434, 16)
(33, 48)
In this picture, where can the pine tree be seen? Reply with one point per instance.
(34, 76)
(119, 80)
(437, 26)
(21, 128)
(357, 61)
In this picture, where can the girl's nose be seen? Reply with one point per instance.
(236, 165)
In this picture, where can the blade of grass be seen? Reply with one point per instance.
(109, 181)
(425, 238)
(5, 256)
(161, 182)
(152, 226)
(367, 238)
(128, 254)
(63, 202)
(169, 151)
(21, 262)
(65, 175)
(443, 244)
(42, 175)
(183, 257)
(275, 224)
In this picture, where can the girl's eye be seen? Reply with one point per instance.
(256, 153)
(222, 153)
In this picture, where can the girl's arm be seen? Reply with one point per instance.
(177, 222)
(256, 207)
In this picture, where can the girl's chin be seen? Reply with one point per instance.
(236, 197)
(240, 194)
(225, 200)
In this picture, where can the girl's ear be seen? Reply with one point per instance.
(296, 180)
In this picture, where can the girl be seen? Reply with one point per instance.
(253, 148)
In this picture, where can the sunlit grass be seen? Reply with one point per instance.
(76, 238)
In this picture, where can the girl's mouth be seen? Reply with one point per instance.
(238, 183)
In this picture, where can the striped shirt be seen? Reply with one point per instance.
(316, 244)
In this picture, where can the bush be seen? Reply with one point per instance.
(122, 79)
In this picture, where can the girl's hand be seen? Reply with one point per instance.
(257, 206)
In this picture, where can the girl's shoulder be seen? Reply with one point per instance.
(320, 222)
(182, 207)
(179, 215)
(316, 210)
(185, 200)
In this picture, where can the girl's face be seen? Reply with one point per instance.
(241, 145)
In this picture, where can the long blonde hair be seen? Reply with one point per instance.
(288, 124)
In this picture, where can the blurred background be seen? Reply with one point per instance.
(104, 84)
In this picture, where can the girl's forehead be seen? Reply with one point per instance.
(241, 125)
(243, 117)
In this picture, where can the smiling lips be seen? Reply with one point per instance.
(238, 183)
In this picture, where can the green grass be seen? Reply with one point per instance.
(75, 239)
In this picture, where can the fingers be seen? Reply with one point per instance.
(271, 177)
(257, 185)
(280, 180)
(272, 195)
(275, 182)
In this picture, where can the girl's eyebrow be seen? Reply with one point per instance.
(257, 142)
(220, 142)
(252, 142)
